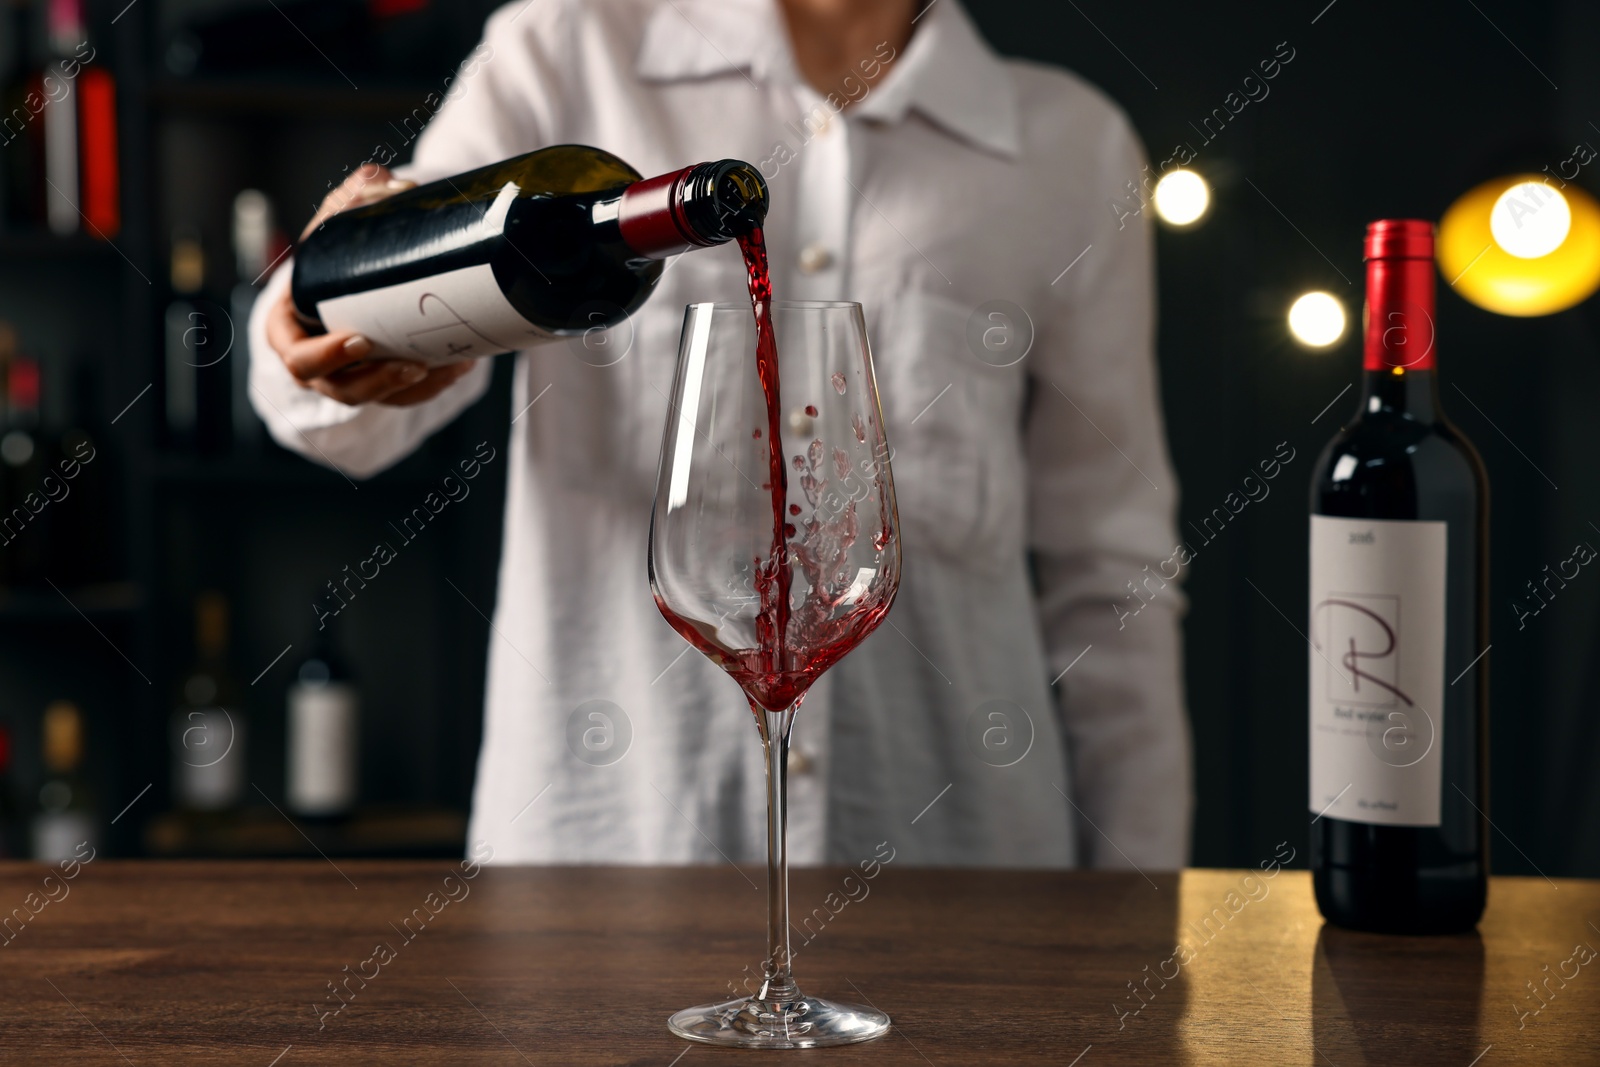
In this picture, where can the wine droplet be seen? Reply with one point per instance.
(788, 529)
(838, 383)
(811, 409)
(794, 509)
(757, 434)
(861, 431)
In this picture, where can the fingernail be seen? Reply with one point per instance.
(357, 346)
(411, 372)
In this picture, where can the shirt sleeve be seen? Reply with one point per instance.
(501, 101)
(1103, 500)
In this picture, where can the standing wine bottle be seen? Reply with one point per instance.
(23, 468)
(185, 334)
(21, 140)
(555, 242)
(324, 755)
(66, 819)
(1399, 628)
(63, 194)
(209, 761)
(256, 248)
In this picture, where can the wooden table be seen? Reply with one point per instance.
(233, 963)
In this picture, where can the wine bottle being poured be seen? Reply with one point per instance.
(552, 243)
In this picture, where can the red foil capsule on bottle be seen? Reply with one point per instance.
(1400, 295)
(651, 216)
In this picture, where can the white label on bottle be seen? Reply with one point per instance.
(1377, 670)
(323, 748)
(208, 758)
(444, 318)
(61, 161)
(58, 835)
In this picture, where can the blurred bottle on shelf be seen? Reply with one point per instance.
(208, 727)
(324, 737)
(21, 145)
(84, 545)
(57, 490)
(23, 503)
(99, 167)
(66, 818)
(257, 247)
(184, 338)
(58, 124)
(198, 340)
(60, 118)
(22, 126)
(10, 833)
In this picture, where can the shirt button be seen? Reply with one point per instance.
(800, 762)
(814, 258)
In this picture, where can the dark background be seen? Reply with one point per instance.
(1385, 110)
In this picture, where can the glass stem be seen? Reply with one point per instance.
(778, 985)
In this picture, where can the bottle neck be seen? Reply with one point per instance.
(1400, 370)
(1413, 394)
(707, 204)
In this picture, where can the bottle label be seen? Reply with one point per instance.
(445, 318)
(208, 758)
(323, 748)
(57, 835)
(1377, 635)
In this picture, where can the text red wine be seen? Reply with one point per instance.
(1399, 629)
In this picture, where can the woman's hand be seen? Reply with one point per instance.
(335, 364)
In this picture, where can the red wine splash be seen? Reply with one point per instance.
(794, 646)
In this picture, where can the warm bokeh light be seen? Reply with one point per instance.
(1485, 256)
(1182, 198)
(1317, 320)
(1530, 220)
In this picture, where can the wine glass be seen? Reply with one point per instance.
(774, 550)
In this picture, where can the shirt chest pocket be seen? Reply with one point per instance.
(953, 421)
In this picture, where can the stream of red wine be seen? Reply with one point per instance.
(773, 577)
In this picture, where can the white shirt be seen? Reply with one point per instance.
(1032, 491)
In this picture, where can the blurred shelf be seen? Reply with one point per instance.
(20, 248)
(105, 601)
(265, 832)
(297, 99)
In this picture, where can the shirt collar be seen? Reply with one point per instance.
(686, 39)
(948, 73)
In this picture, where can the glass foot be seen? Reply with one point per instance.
(797, 1022)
